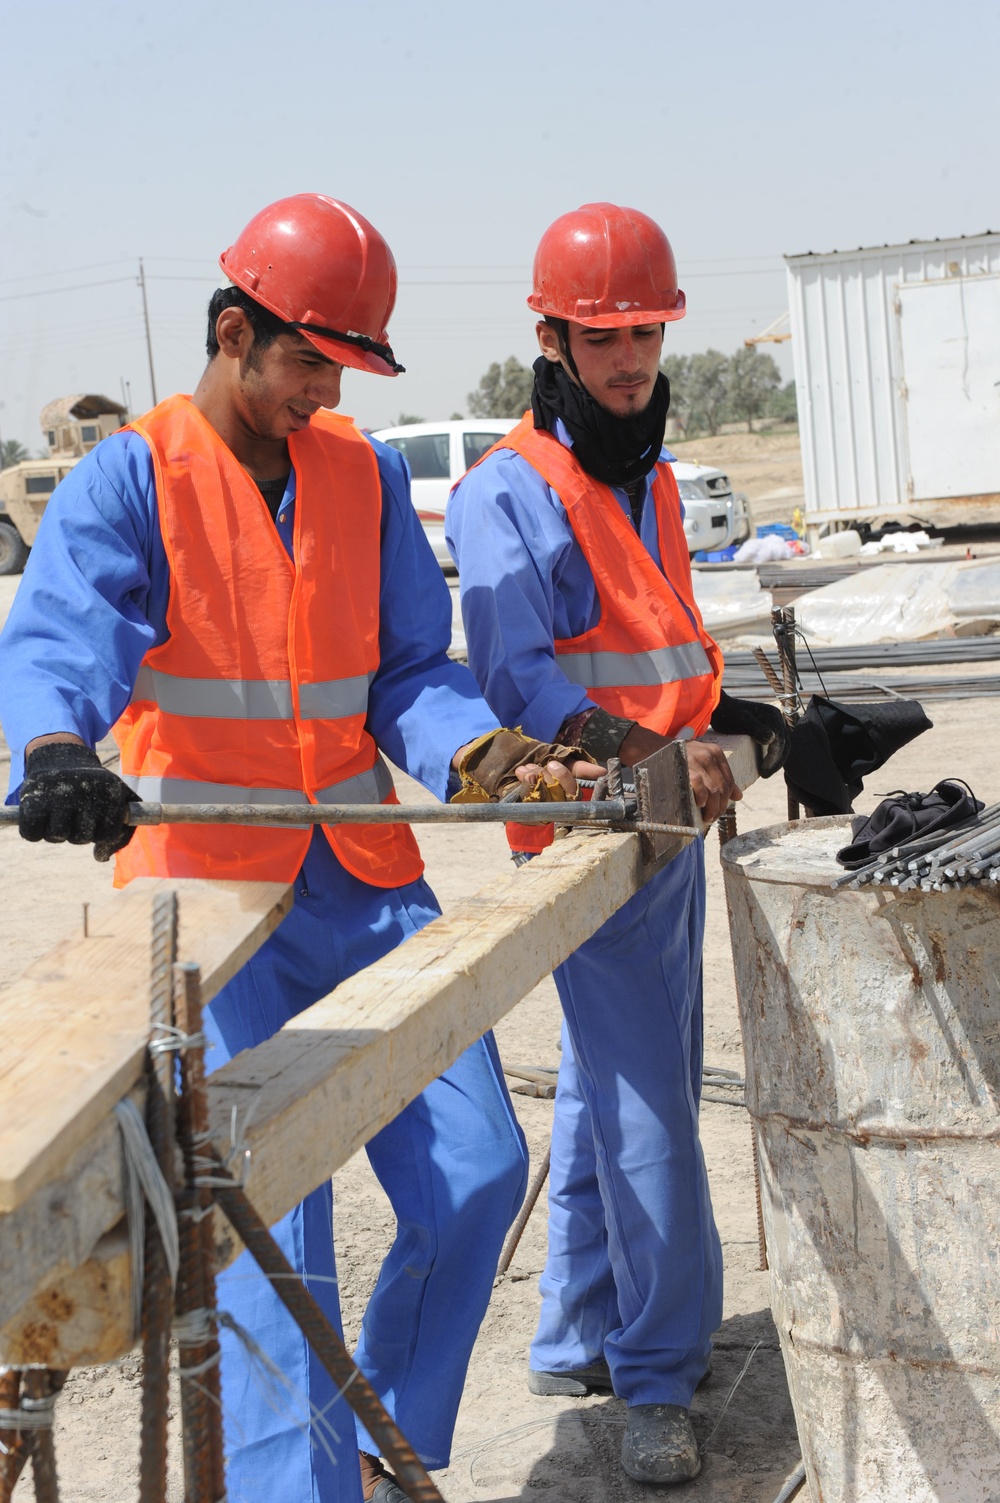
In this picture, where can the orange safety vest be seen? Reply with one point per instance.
(649, 657)
(260, 693)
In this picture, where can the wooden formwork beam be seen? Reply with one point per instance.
(76, 1022)
(308, 1098)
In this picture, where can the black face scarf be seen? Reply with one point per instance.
(615, 450)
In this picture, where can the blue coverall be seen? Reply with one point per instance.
(453, 1163)
(634, 1267)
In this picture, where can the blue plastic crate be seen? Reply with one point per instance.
(717, 555)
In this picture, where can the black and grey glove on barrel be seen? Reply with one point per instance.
(765, 724)
(68, 795)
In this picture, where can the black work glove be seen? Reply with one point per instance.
(67, 794)
(748, 717)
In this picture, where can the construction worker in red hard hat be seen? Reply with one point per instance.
(581, 620)
(238, 583)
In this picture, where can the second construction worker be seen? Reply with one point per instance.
(582, 625)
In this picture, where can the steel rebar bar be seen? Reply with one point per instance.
(524, 1215)
(606, 812)
(157, 1309)
(201, 1395)
(768, 671)
(41, 1385)
(15, 1444)
(351, 1382)
(962, 855)
(783, 626)
(885, 654)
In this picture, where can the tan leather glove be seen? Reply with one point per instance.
(488, 769)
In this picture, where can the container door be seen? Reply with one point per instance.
(950, 341)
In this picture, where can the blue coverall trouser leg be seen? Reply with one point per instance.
(453, 1165)
(634, 1266)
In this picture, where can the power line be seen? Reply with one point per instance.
(759, 271)
(59, 331)
(12, 297)
(64, 271)
(523, 266)
(750, 271)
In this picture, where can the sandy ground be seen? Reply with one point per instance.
(510, 1445)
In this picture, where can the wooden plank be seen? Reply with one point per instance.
(342, 1069)
(741, 754)
(59, 1225)
(336, 1074)
(82, 1313)
(75, 1024)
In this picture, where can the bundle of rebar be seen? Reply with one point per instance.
(967, 855)
(884, 654)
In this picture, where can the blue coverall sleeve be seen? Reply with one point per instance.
(510, 544)
(81, 623)
(421, 706)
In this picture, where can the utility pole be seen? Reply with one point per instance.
(149, 341)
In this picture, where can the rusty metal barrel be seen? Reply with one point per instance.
(871, 1025)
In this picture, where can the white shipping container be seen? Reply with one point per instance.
(897, 371)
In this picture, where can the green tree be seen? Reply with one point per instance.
(783, 406)
(677, 369)
(504, 391)
(405, 418)
(12, 452)
(753, 380)
(708, 390)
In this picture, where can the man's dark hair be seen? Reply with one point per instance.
(265, 324)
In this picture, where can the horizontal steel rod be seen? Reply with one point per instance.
(605, 812)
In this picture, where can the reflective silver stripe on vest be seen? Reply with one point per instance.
(335, 698)
(620, 670)
(251, 698)
(371, 787)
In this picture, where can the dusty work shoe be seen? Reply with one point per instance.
(378, 1485)
(575, 1384)
(659, 1444)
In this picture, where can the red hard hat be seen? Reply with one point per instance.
(606, 267)
(319, 265)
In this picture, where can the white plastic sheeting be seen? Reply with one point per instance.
(901, 603)
(730, 599)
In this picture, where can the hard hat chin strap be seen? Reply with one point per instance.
(363, 341)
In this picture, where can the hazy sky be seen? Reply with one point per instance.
(461, 131)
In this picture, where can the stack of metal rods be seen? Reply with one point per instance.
(967, 855)
(887, 654)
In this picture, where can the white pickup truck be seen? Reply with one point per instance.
(440, 453)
